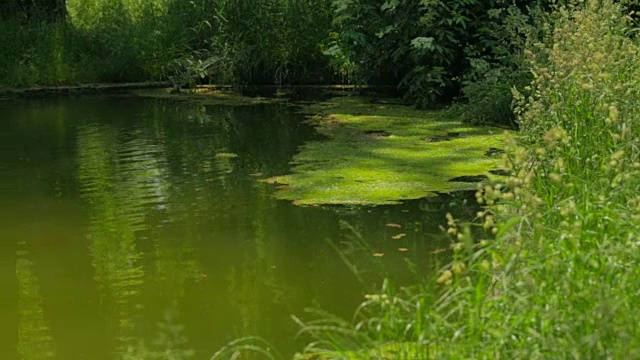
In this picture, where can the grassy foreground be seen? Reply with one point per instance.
(560, 277)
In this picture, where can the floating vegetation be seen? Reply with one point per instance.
(226, 155)
(381, 154)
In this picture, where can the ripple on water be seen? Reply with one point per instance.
(130, 173)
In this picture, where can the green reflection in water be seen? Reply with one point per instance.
(149, 240)
(35, 340)
(121, 180)
(256, 276)
(113, 221)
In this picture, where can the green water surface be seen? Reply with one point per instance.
(139, 228)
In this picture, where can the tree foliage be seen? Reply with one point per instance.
(429, 48)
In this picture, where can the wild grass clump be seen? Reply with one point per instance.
(35, 54)
(226, 41)
(558, 273)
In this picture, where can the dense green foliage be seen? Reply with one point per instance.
(275, 41)
(34, 11)
(229, 41)
(431, 50)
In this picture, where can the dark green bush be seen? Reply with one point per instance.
(433, 49)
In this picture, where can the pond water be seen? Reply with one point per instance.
(139, 228)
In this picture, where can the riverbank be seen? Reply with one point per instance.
(163, 89)
(202, 94)
(85, 89)
(560, 276)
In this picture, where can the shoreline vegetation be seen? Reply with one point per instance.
(430, 52)
(99, 88)
(84, 89)
(556, 276)
(549, 269)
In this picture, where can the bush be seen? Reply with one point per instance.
(431, 49)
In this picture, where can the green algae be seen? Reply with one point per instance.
(208, 95)
(383, 153)
(226, 155)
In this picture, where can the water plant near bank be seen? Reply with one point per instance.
(383, 153)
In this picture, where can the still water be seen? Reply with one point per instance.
(139, 228)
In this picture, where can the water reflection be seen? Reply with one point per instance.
(35, 340)
(111, 187)
(167, 245)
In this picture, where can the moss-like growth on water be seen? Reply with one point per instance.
(208, 95)
(382, 153)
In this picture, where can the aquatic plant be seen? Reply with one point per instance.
(384, 153)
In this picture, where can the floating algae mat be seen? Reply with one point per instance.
(378, 153)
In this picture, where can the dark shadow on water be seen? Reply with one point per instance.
(379, 95)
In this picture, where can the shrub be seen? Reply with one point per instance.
(430, 49)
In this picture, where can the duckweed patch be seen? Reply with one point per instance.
(383, 153)
(224, 155)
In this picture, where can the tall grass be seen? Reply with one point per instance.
(101, 42)
(559, 275)
(275, 41)
(34, 54)
(225, 41)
